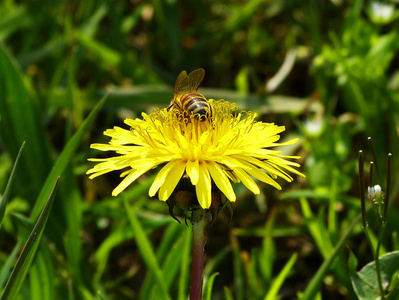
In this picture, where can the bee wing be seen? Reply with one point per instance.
(195, 78)
(181, 83)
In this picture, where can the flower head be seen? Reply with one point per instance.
(226, 147)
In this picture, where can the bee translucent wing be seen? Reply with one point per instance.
(181, 83)
(195, 78)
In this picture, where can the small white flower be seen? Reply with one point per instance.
(370, 190)
(381, 13)
(377, 190)
(313, 127)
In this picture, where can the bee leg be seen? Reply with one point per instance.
(171, 105)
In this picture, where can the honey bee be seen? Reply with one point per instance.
(187, 99)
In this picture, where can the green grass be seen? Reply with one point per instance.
(70, 70)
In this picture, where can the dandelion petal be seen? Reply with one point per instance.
(128, 180)
(174, 175)
(160, 179)
(203, 187)
(247, 180)
(192, 170)
(221, 181)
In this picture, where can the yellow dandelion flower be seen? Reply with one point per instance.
(227, 147)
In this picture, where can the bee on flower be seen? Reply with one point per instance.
(187, 99)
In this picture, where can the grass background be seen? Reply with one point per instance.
(328, 71)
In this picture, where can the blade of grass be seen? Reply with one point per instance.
(185, 266)
(8, 265)
(4, 199)
(278, 282)
(146, 250)
(317, 229)
(228, 294)
(28, 253)
(172, 262)
(170, 239)
(238, 268)
(17, 19)
(268, 251)
(209, 286)
(317, 280)
(65, 157)
(41, 276)
(20, 122)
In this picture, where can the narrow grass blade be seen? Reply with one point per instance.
(28, 253)
(4, 200)
(238, 269)
(172, 237)
(209, 286)
(41, 276)
(20, 122)
(275, 287)
(146, 250)
(7, 266)
(172, 262)
(185, 266)
(228, 294)
(19, 18)
(317, 280)
(65, 158)
(317, 229)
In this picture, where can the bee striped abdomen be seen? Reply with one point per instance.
(196, 104)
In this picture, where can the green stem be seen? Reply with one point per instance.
(198, 223)
(377, 256)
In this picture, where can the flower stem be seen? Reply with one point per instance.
(381, 229)
(198, 222)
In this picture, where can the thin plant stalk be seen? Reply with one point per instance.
(380, 208)
(381, 229)
(381, 223)
(363, 200)
(198, 222)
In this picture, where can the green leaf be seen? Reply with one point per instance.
(8, 265)
(352, 263)
(209, 286)
(65, 157)
(317, 229)
(20, 122)
(4, 199)
(17, 19)
(365, 282)
(185, 266)
(239, 279)
(315, 284)
(166, 253)
(28, 253)
(228, 294)
(146, 250)
(362, 290)
(278, 282)
(41, 276)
